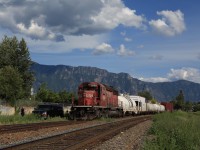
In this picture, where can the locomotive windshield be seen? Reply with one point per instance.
(90, 87)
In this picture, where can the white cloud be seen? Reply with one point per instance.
(72, 42)
(104, 48)
(171, 24)
(127, 39)
(124, 52)
(190, 74)
(154, 79)
(52, 20)
(36, 31)
(114, 12)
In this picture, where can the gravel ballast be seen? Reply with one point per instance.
(127, 140)
(130, 139)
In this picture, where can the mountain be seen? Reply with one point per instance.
(68, 78)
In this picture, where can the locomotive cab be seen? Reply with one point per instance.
(89, 94)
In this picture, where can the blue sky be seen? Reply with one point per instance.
(152, 40)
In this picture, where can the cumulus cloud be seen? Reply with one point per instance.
(114, 12)
(104, 48)
(127, 39)
(191, 74)
(171, 24)
(124, 52)
(35, 31)
(154, 79)
(67, 46)
(52, 20)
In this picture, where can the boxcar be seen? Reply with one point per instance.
(168, 106)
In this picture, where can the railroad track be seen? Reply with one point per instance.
(34, 126)
(81, 138)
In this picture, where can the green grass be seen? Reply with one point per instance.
(17, 119)
(174, 131)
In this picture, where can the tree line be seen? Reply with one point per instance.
(46, 95)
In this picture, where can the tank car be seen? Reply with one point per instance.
(145, 107)
(96, 100)
(154, 108)
(161, 108)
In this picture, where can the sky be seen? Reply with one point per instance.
(152, 40)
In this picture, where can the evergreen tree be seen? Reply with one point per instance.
(180, 101)
(8, 48)
(43, 93)
(10, 84)
(24, 64)
(188, 106)
(15, 55)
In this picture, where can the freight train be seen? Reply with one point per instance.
(97, 100)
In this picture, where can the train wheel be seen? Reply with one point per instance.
(98, 113)
(106, 114)
(88, 117)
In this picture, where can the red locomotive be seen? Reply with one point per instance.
(96, 100)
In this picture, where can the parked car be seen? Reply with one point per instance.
(49, 110)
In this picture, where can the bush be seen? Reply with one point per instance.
(26, 102)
